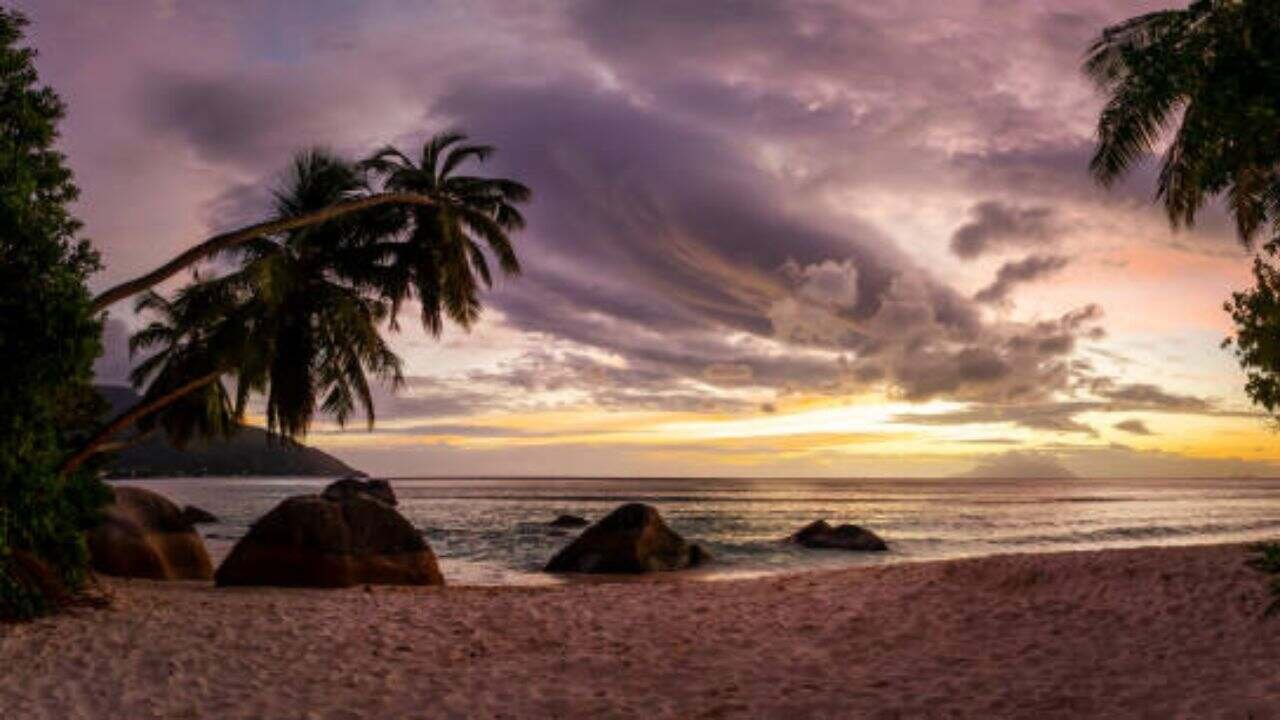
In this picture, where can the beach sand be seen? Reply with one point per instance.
(1158, 633)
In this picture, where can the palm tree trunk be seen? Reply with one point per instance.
(226, 240)
(100, 441)
(129, 442)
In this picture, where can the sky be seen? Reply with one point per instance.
(766, 239)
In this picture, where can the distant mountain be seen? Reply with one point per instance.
(246, 453)
(1019, 465)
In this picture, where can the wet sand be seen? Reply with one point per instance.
(1159, 633)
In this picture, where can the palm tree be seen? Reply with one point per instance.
(180, 337)
(1212, 71)
(311, 305)
(297, 320)
(183, 394)
(439, 255)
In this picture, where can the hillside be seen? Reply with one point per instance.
(247, 453)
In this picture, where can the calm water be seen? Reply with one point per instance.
(494, 531)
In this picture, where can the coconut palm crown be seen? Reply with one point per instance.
(307, 309)
(439, 257)
(181, 340)
(1206, 80)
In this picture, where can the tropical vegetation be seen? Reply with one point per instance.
(49, 336)
(1204, 82)
(298, 318)
(292, 316)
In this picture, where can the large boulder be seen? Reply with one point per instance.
(348, 487)
(144, 535)
(821, 534)
(316, 541)
(631, 539)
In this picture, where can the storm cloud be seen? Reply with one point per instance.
(735, 203)
(657, 236)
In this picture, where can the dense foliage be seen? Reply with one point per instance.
(1207, 80)
(1256, 313)
(1210, 74)
(296, 316)
(48, 341)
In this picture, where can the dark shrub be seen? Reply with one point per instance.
(48, 341)
(1266, 559)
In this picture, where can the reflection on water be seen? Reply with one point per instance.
(493, 531)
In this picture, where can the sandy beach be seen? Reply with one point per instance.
(1159, 633)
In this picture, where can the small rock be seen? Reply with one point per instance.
(347, 487)
(821, 534)
(198, 516)
(569, 521)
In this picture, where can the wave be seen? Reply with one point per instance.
(1143, 532)
(739, 499)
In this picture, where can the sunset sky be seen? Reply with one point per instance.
(812, 238)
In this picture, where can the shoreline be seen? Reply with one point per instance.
(496, 533)
(1155, 631)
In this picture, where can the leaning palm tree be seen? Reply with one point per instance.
(1210, 74)
(311, 306)
(296, 320)
(439, 257)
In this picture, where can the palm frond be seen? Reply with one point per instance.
(437, 144)
(458, 155)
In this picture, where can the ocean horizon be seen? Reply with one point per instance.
(495, 531)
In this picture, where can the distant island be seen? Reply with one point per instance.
(246, 453)
(1019, 465)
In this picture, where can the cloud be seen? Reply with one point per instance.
(1143, 396)
(719, 273)
(655, 235)
(1058, 417)
(1133, 426)
(1020, 272)
(735, 203)
(995, 226)
(1066, 460)
(728, 373)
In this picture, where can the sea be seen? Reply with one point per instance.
(494, 531)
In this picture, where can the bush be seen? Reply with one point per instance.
(1266, 559)
(49, 339)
